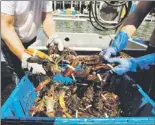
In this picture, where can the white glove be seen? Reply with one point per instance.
(54, 39)
(33, 67)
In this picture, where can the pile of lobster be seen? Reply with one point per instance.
(74, 86)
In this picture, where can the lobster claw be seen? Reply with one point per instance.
(36, 59)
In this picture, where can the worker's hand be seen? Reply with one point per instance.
(107, 53)
(55, 40)
(32, 67)
(118, 44)
(132, 64)
(124, 65)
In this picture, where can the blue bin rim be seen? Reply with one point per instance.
(104, 121)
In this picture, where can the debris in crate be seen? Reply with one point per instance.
(76, 100)
(88, 93)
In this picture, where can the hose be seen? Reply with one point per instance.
(116, 5)
(106, 25)
(90, 17)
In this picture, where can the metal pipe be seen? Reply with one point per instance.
(80, 6)
(55, 5)
(63, 5)
(71, 4)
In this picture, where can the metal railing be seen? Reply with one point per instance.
(77, 5)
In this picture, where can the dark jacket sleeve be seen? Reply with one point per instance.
(137, 16)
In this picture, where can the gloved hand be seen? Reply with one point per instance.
(55, 40)
(118, 44)
(132, 64)
(32, 67)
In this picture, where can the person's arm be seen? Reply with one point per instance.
(134, 20)
(15, 45)
(128, 29)
(47, 19)
(9, 35)
(133, 64)
(48, 24)
(49, 28)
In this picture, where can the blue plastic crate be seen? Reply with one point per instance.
(20, 101)
(134, 99)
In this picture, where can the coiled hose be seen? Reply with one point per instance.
(106, 25)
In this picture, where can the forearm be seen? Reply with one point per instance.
(12, 40)
(142, 62)
(131, 24)
(49, 27)
(129, 29)
(147, 59)
(133, 21)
